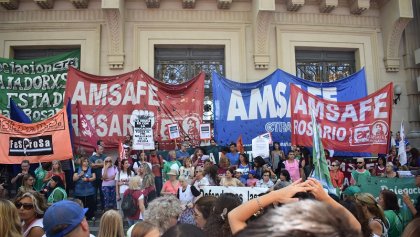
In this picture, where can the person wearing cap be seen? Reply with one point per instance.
(66, 218)
(252, 180)
(350, 191)
(360, 173)
(171, 186)
(415, 210)
(171, 164)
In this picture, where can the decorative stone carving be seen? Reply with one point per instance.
(45, 4)
(114, 18)
(326, 6)
(294, 5)
(398, 15)
(80, 4)
(224, 4)
(357, 7)
(188, 3)
(263, 16)
(152, 3)
(10, 4)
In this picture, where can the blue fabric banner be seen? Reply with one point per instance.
(251, 109)
(17, 114)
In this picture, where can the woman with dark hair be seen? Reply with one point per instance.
(388, 200)
(378, 225)
(379, 169)
(244, 166)
(259, 163)
(202, 209)
(292, 165)
(229, 180)
(182, 230)
(414, 162)
(218, 223)
(277, 155)
(57, 191)
(211, 174)
(122, 179)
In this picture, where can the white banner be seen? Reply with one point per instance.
(143, 134)
(244, 193)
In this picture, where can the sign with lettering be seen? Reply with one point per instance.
(244, 193)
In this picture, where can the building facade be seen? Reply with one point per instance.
(246, 40)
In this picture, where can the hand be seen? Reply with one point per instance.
(318, 191)
(190, 205)
(20, 174)
(82, 173)
(85, 179)
(285, 195)
(406, 198)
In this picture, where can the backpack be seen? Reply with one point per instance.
(129, 205)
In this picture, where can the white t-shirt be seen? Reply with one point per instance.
(136, 166)
(141, 214)
(36, 223)
(123, 176)
(203, 182)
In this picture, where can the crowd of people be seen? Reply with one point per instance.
(160, 196)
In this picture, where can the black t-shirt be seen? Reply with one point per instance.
(20, 178)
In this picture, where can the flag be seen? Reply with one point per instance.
(240, 145)
(86, 131)
(121, 151)
(71, 131)
(401, 146)
(17, 114)
(320, 172)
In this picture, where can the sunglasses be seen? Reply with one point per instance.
(26, 206)
(108, 161)
(359, 162)
(335, 165)
(198, 171)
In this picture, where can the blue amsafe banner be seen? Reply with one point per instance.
(251, 109)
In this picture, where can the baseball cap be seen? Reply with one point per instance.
(253, 172)
(63, 213)
(352, 190)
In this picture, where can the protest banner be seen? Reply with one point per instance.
(205, 133)
(361, 125)
(110, 101)
(264, 106)
(143, 134)
(37, 85)
(244, 193)
(374, 185)
(43, 141)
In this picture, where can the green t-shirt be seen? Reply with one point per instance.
(170, 165)
(360, 177)
(57, 194)
(395, 221)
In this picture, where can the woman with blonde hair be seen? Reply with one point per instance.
(9, 219)
(137, 194)
(111, 225)
(31, 208)
(148, 184)
(28, 182)
(373, 212)
(56, 170)
(187, 170)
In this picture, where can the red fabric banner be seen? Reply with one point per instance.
(109, 102)
(358, 126)
(86, 132)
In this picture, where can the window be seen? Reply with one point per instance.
(32, 53)
(324, 66)
(178, 64)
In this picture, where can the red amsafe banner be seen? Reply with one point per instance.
(358, 126)
(108, 102)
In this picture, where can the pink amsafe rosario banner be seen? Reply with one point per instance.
(361, 125)
(115, 104)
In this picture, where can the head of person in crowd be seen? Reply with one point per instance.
(31, 206)
(229, 173)
(412, 229)
(198, 153)
(28, 181)
(388, 200)
(173, 175)
(213, 142)
(148, 178)
(56, 182)
(199, 172)
(370, 207)
(183, 181)
(140, 169)
(285, 175)
(291, 155)
(66, 218)
(134, 183)
(243, 159)
(143, 229)
(100, 150)
(389, 168)
(125, 167)
(182, 230)
(207, 163)
(56, 166)
(335, 165)
(100, 143)
(259, 161)
(308, 218)
(225, 150)
(350, 191)
(84, 161)
(360, 163)
(357, 211)
(218, 223)
(232, 147)
(111, 224)
(172, 155)
(252, 174)
(9, 219)
(381, 161)
(224, 162)
(184, 146)
(211, 173)
(142, 156)
(187, 162)
(276, 146)
(128, 139)
(202, 210)
(238, 173)
(25, 165)
(393, 151)
(266, 176)
(163, 212)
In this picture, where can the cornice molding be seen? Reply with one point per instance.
(94, 15)
(187, 16)
(10, 4)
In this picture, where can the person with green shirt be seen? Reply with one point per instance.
(40, 174)
(57, 191)
(360, 174)
(172, 164)
(388, 200)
